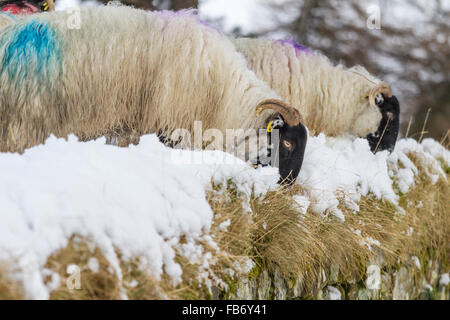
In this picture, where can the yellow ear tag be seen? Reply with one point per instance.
(269, 127)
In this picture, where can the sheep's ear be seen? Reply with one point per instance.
(277, 122)
(379, 99)
(379, 93)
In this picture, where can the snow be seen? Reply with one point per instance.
(143, 199)
(333, 293)
(345, 168)
(55, 279)
(444, 280)
(303, 203)
(345, 165)
(93, 264)
(224, 225)
(369, 242)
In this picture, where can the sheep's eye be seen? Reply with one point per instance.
(287, 144)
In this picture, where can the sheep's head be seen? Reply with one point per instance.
(386, 135)
(292, 139)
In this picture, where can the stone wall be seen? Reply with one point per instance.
(404, 282)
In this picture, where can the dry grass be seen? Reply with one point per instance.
(139, 285)
(301, 247)
(105, 285)
(102, 285)
(277, 238)
(235, 241)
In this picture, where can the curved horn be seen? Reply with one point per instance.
(383, 88)
(51, 5)
(289, 114)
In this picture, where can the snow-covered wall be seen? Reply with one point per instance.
(142, 199)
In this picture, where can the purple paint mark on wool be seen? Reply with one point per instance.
(209, 26)
(298, 47)
(192, 13)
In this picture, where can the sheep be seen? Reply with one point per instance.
(127, 70)
(332, 99)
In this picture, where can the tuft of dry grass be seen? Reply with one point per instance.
(101, 285)
(139, 285)
(300, 247)
(104, 284)
(235, 241)
(9, 290)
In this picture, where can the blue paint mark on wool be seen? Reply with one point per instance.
(31, 51)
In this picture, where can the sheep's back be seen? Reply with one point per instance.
(125, 69)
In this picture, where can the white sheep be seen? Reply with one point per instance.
(332, 99)
(127, 70)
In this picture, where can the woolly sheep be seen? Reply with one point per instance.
(126, 70)
(332, 99)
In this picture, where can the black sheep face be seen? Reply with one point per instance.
(291, 149)
(386, 135)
